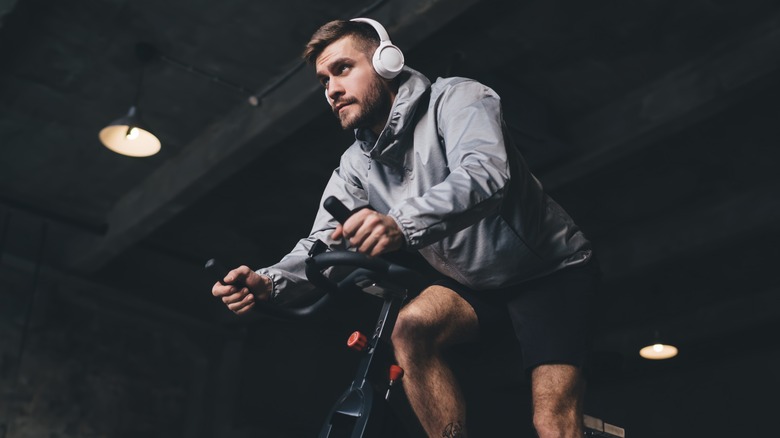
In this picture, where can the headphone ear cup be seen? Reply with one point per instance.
(388, 60)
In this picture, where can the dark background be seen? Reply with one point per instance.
(654, 123)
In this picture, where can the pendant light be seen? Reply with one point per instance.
(658, 350)
(128, 134)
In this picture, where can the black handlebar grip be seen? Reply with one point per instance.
(337, 209)
(217, 271)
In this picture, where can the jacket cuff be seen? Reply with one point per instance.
(404, 231)
(274, 290)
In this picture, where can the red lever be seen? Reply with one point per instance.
(357, 341)
(396, 373)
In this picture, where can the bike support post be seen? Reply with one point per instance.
(360, 412)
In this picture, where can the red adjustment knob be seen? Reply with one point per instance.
(357, 341)
(396, 373)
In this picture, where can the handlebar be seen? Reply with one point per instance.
(370, 270)
(337, 209)
(219, 272)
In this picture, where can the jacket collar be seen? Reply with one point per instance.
(387, 147)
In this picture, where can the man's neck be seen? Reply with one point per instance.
(381, 123)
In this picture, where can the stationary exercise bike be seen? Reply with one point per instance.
(373, 405)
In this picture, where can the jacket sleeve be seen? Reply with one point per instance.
(289, 274)
(471, 131)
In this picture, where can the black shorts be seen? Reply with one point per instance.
(549, 315)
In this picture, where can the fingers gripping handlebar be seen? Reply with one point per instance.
(218, 272)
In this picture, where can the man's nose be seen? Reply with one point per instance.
(334, 89)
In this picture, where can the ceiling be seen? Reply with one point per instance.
(654, 123)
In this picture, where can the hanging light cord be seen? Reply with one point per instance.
(209, 76)
(140, 87)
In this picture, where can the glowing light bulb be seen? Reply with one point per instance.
(132, 133)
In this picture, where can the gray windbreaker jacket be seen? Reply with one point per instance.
(444, 168)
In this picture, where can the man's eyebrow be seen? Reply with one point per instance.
(329, 66)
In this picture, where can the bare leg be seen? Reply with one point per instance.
(557, 391)
(437, 318)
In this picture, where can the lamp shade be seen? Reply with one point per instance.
(127, 136)
(658, 350)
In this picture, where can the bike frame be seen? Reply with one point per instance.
(361, 411)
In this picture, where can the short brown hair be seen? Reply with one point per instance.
(365, 36)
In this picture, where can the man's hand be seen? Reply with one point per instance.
(243, 286)
(370, 232)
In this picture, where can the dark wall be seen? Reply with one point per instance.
(80, 361)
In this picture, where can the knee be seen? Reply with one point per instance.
(437, 318)
(414, 332)
(557, 392)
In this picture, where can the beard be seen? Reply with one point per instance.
(373, 108)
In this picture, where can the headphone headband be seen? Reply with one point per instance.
(380, 30)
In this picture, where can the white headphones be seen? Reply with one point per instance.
(388, 59)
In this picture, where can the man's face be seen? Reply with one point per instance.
(359, 97)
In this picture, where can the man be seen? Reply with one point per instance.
(436, 167)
